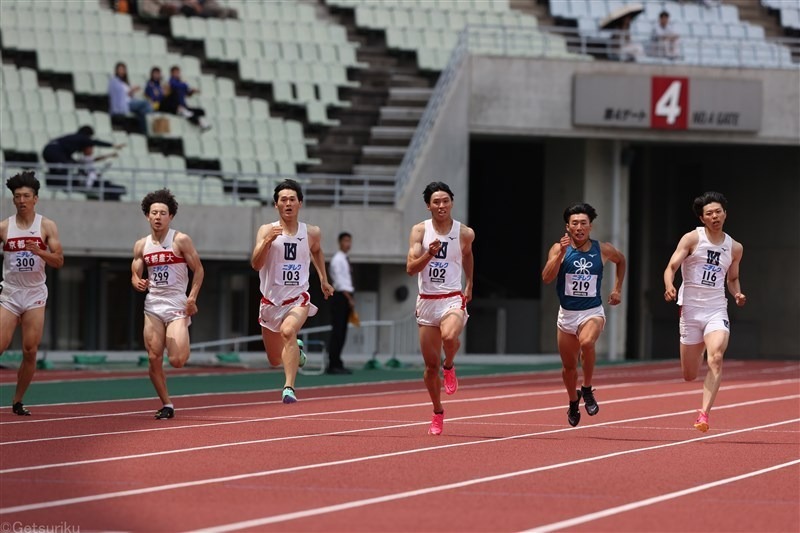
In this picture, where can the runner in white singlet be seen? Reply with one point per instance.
(709, 260)
(168, 255)
(282, 256)
(30, 242)
(440, 254)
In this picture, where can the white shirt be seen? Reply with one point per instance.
(340, 272)
(442, 274)
(704, 273)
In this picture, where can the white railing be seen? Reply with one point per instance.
(203, 187)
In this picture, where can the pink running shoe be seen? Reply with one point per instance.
(437, 424)
(450, 380)
(701, 424)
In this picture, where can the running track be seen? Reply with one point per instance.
(359, 459)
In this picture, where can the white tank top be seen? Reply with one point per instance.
(22, 268)
(166, 270)
(704, 272)
(442, 274)
(285, 272)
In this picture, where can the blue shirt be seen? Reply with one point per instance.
(580, 277)
(180, 89)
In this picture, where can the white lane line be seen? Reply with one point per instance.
(536, 377)
(402, 406)
(461, 484)
(224, 479)
(655, 499)
(381, 428)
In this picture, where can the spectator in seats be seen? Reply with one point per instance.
(628, 50)
(175, 100)
(207, 9)
(93, 182)
(121, 100)
(154, 90)
(157, 8)
(664, 38)
(60, 151)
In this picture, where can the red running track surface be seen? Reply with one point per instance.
(359, 459)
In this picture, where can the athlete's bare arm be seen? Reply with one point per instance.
(467, 237)
(318, 258)
(734, 287)
(685, 247)
(137, 266)
(54, 255)
(554, 258)
(3, 230)
(266, 234)
(418, 256)
(185, 247)
(610, 253)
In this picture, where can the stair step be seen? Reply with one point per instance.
(401, 113)
(384, 151)
(392, 133)
(422, 94)
(375, 170)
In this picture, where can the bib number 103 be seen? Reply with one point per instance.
(669, 103)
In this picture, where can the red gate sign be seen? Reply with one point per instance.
(669, 103)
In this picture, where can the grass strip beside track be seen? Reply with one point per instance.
(96, 389)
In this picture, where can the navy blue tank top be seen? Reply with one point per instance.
(579, 278)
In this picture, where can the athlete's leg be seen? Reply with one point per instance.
(691, 359)
(154, 339)
(569, 347)
(8, 324)
(430, 342)
(588, 333)
(177, 342)
(716, 344)
(451, 326)
(290, 351)
(32, 323)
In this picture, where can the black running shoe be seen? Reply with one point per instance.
(574, 413)
(20, 410)
(588, 401)
(164, 413)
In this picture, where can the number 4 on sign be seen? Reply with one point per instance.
(669, 97)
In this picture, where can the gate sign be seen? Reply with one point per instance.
(667, 102)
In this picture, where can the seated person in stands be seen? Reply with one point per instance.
(94, 184)
(207, 9)
(60, 150)
(664, 39)
(175, 100)
(627, 49)
(121, 100)
(154, 90)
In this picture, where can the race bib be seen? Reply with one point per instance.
(710, 275)
(290, 275)
(581, 285)
(160, 276)
(25, 261)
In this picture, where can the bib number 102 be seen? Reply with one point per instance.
(669, 103)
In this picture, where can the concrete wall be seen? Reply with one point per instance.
(109, 229)
(534, 98)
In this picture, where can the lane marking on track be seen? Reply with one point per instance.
(363, 430)
(655, 499)
(286, 517)
(224, 479)
(402, 406)
(730, 376)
